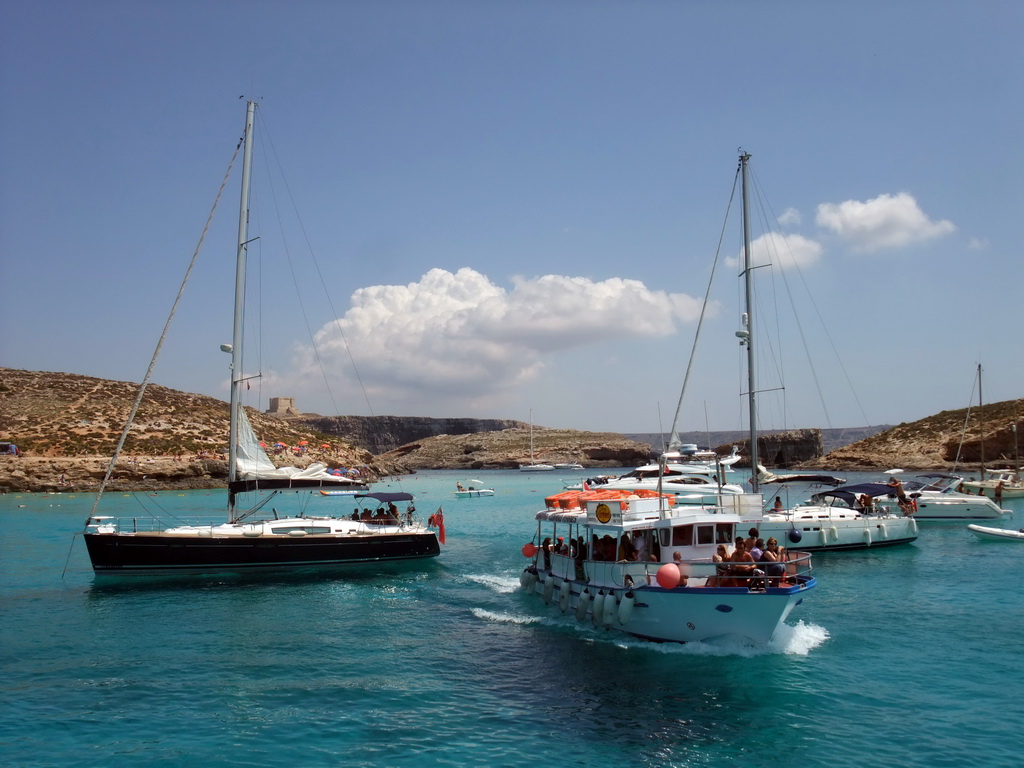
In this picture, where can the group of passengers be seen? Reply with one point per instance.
(752, 563)
(388, 516)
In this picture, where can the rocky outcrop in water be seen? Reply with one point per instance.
(780, 450)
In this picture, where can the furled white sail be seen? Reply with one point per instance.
(253, 463)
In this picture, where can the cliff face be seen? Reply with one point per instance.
(380, 434)
(781, 450)
(509, 448)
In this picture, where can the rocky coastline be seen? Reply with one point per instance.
(67, 426)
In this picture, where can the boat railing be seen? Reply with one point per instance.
(795, 568)
(146, 524)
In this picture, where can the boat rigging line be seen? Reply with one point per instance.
(159, 345)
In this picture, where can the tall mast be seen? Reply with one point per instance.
(748, 322)
(981, 425)
(239, 316)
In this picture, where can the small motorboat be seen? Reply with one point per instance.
(472, 489)
(996, 534)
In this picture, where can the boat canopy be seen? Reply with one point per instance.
(384, 498)
(850, 493)
(764, 476)
(823, 479)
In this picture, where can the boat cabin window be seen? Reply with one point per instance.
(306, 528)
(678, 536)
(705, 534)
(724, 533)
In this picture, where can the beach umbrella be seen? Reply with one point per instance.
(304, 442)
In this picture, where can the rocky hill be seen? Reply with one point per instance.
(960, 439)
(380, 434)
(67, 426)
(830, 438)
(509, 448)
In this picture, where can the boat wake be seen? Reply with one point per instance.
(507, 618)
(797, 640)
(503, 585)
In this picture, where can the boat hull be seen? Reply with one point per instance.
(825, 535)
(158, 552)
(996, 534)
(968, 508)
(684, 614)
(473, 494)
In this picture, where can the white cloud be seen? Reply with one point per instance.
(460, 336)
(887, 221)
(785, 251)
(978, 244)
(790, 216)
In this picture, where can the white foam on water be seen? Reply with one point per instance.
(506, 618)
(797, 640)
(501, 584)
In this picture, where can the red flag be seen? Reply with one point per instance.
(439, 520)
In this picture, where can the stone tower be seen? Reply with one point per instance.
(283, 406)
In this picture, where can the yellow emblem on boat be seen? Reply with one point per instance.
(603, 512)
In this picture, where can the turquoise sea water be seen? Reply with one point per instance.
(904, 656)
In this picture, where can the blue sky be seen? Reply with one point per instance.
(515, 206)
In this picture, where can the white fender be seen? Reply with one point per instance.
(549, 587)
(524, 579)
(913, 526)
(597, 609)
(824, 536)
(833, 533)
(563, 596)
(867, 536)
(610, 610)
(583, 604)
(883, 531)
(626, 607)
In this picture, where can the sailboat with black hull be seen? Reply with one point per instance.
(250, 540)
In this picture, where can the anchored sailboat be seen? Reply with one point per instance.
(534, 466)
(246, 541)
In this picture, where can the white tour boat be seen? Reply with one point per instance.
(668, 587)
